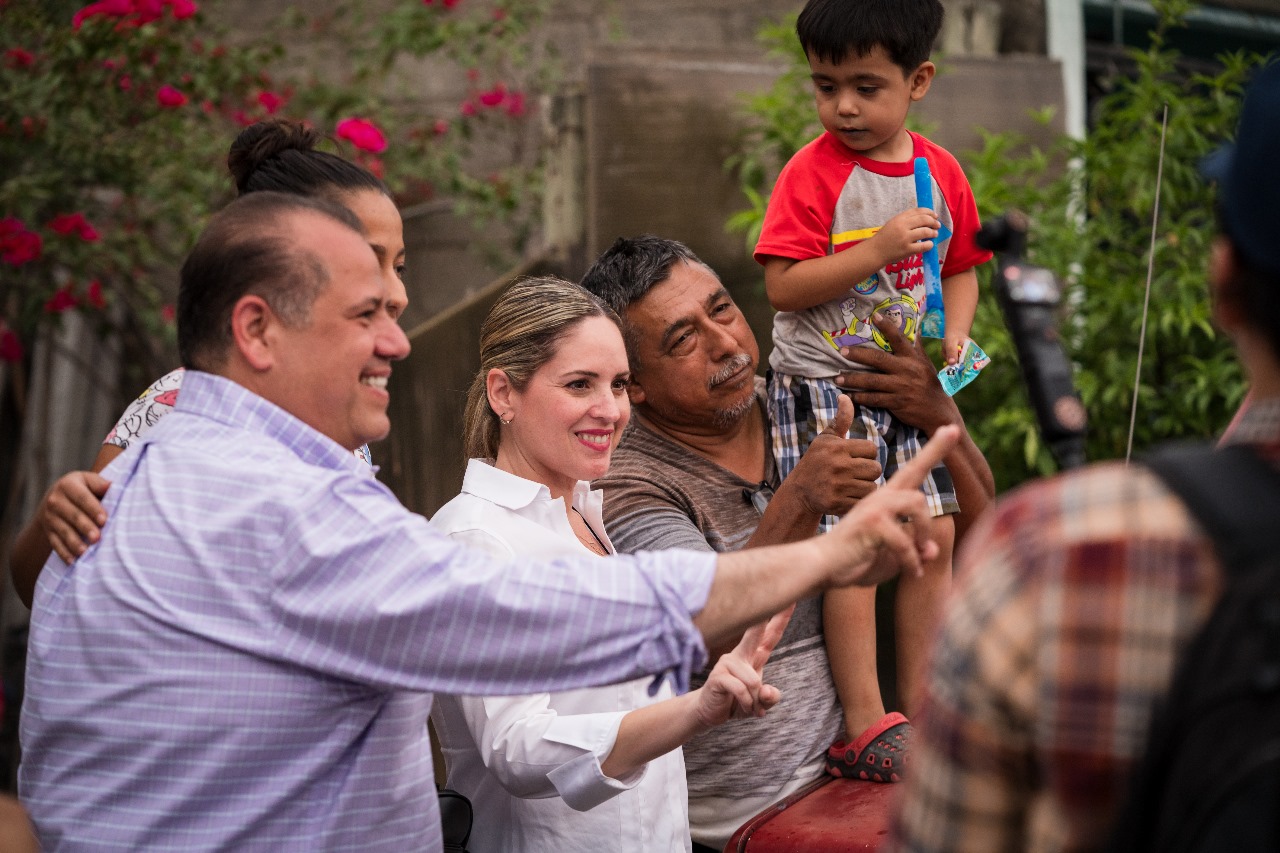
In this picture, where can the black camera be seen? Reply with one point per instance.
(1029, 297)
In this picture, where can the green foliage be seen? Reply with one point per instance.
(87, 126)
(1091, 204)
(782, 120)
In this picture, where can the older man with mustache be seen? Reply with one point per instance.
(695, 470)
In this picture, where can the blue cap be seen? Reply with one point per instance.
(1248, 174)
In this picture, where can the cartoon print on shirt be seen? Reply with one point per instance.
(901, 309)
(144, 412)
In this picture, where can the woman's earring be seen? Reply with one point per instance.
(505, 419)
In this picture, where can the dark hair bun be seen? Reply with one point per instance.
(264, 140)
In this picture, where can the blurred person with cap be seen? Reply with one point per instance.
(1076, 595)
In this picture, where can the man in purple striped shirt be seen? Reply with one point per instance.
(245, 660)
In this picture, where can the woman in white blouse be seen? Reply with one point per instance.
(597, 768)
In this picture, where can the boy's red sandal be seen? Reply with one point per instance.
(879, 754)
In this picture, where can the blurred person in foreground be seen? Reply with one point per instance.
(1076, 596)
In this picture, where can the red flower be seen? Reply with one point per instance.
(494, 96)
(125, 82)
(146, 12)
(74, 223)
(449, 4)
(134, 13)
(107, 8)
(270, 101)
(515, 104)
(62, 300)
(18, 245)
(93, 295)
(440, 128)
(10, 345)
(363, 134)
(170, 97)
(467, 108)
(16, 57)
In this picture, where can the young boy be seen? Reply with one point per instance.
(843, 241)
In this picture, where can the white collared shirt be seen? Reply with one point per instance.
(531, 764)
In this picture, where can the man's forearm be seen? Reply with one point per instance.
(971, 476)
(973, 481)
(30, 550)
(753, 584)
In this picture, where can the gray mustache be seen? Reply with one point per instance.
(731, 367)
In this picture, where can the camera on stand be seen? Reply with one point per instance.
(1029, 297)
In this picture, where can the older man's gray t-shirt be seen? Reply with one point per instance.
(659, 494)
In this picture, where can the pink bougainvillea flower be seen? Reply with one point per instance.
(467, 109)
(515, 104)
(105, 8)
(125, 82)
(494, 96)
(449, 4)
(62, 300)
(93, 295)
(16, 57)
(168, 96)
(146, 11)
(74, 223)
(440, 128)
(18, 244)
(134, 13)
(10, 345)
(363, 134)
(270, 101)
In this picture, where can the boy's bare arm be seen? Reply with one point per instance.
(793, 285)
(960, 299)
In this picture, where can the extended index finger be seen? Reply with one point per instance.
(912, 474)
(769, 637)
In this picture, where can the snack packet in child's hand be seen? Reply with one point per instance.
(955, 376)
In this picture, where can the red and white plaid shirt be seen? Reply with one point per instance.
(1072, 602)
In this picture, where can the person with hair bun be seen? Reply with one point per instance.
(596, 768)
(277, 155)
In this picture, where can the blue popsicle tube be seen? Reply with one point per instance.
(933, 321)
